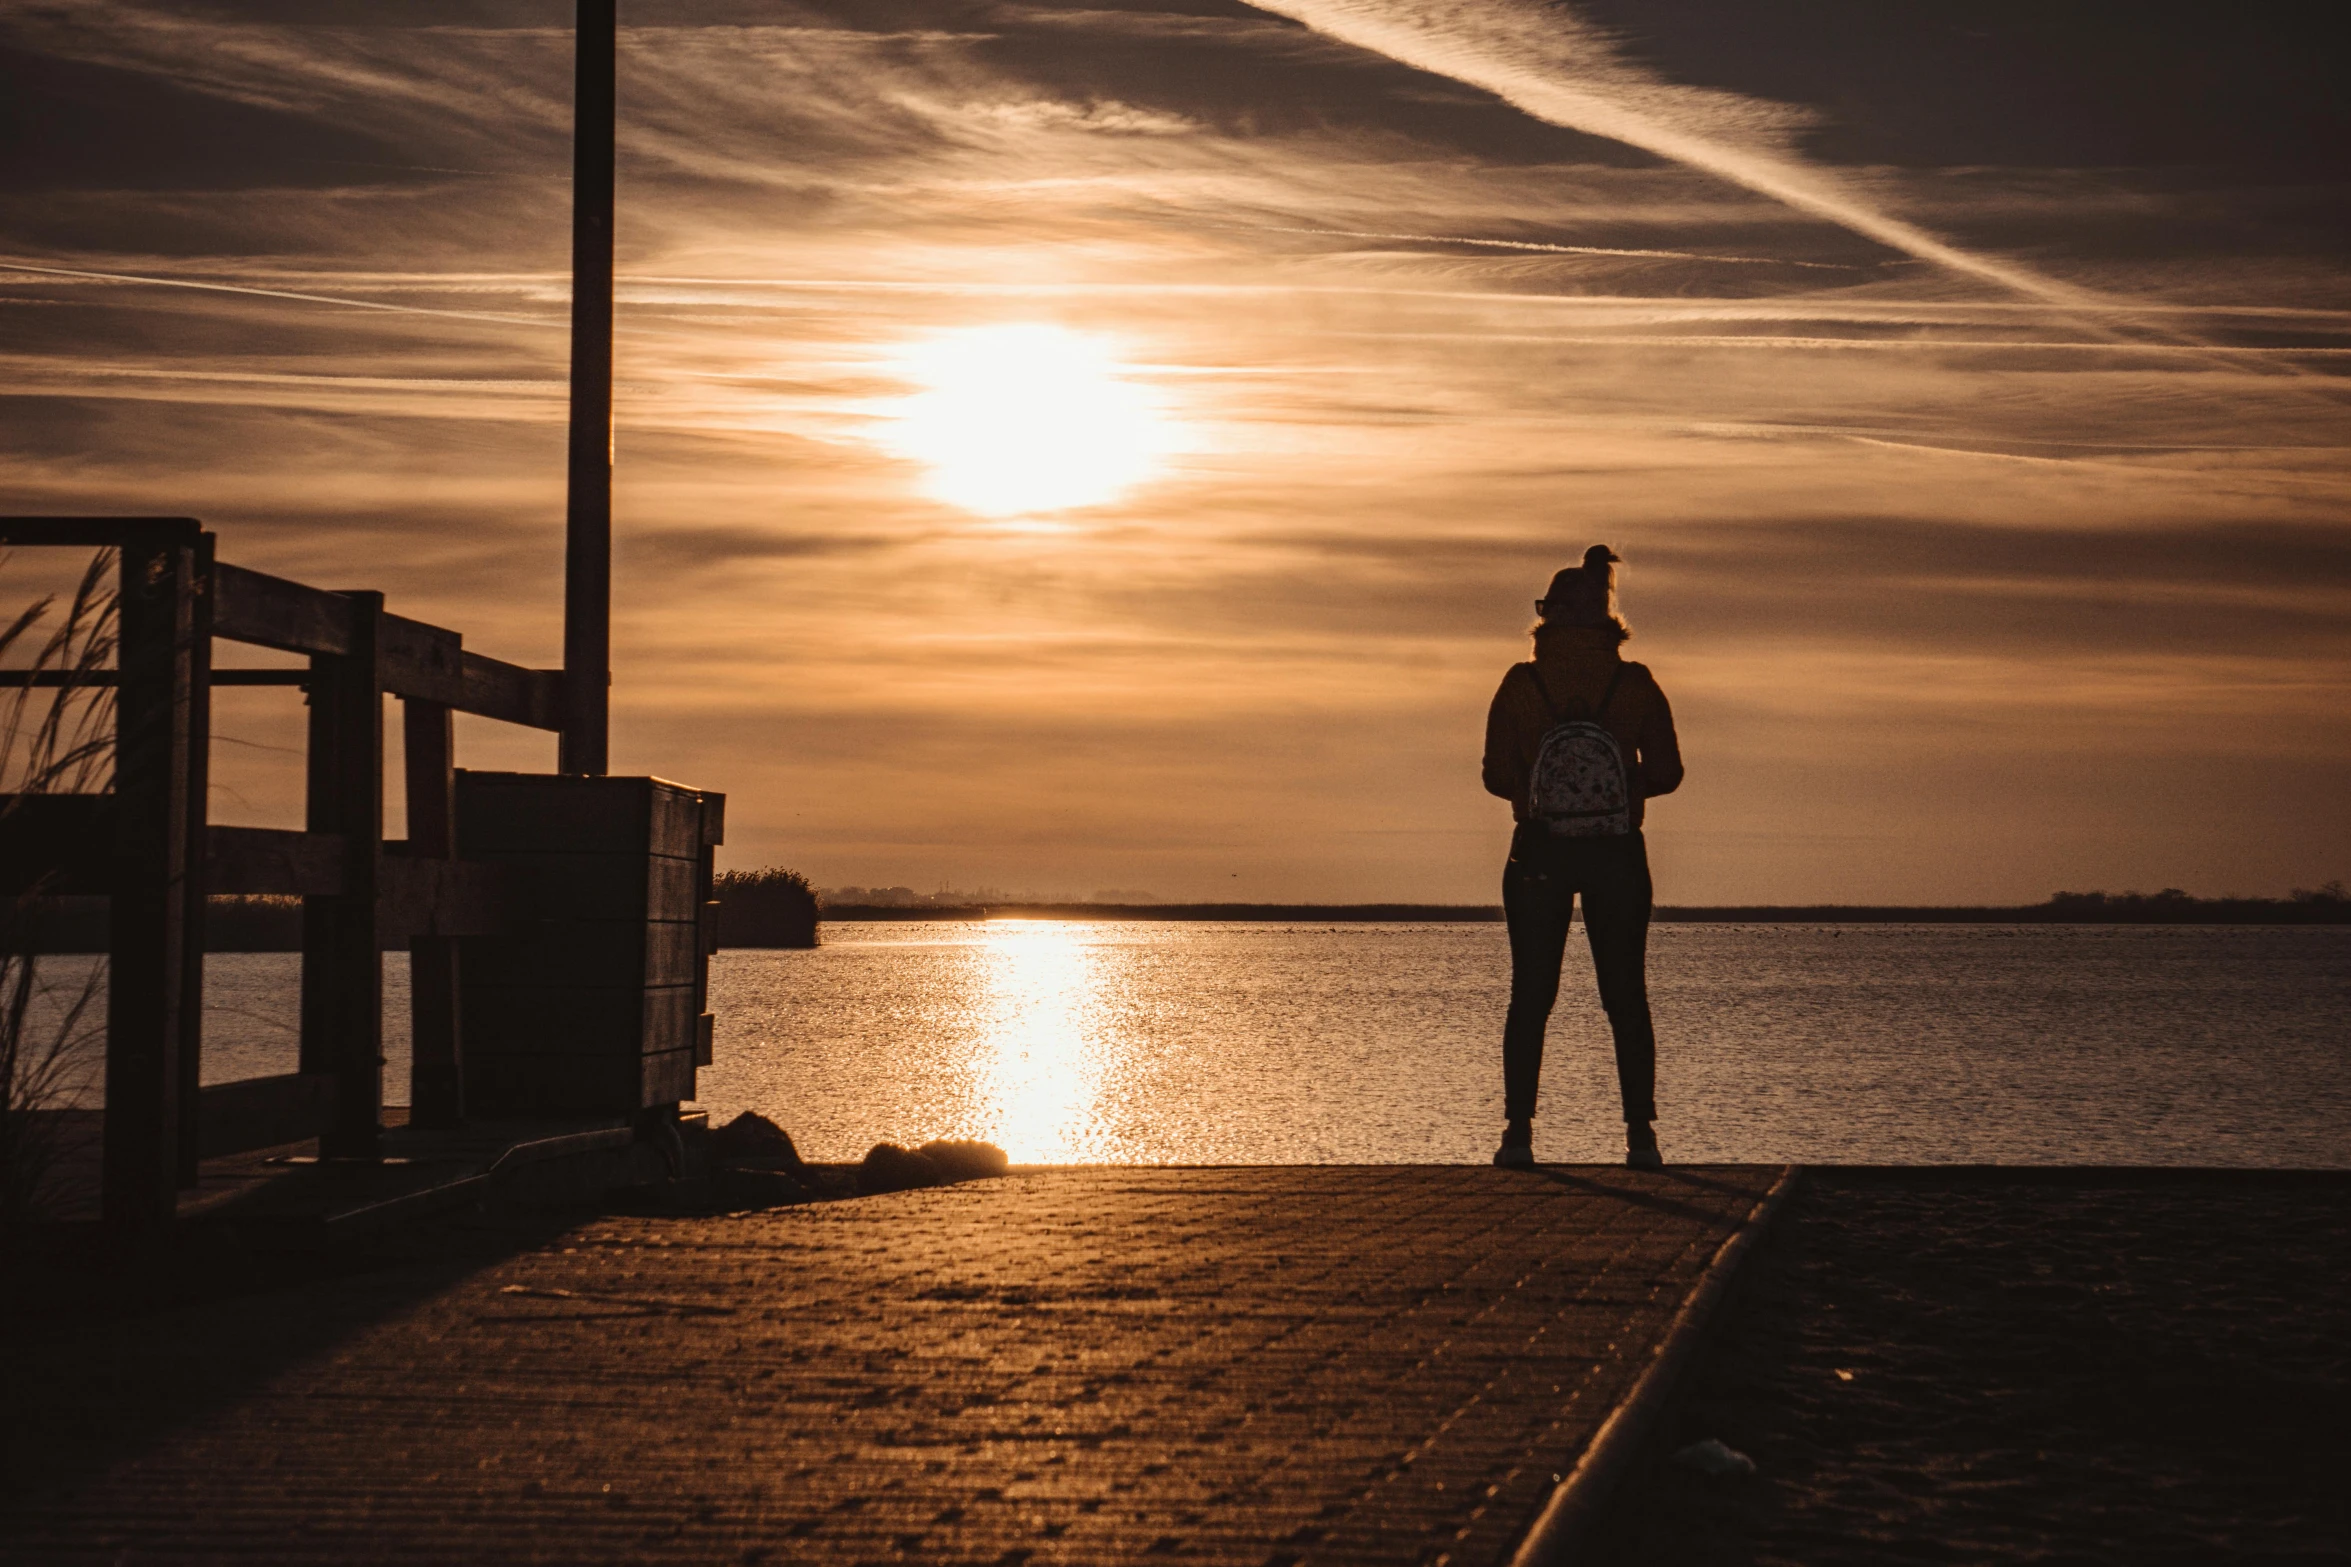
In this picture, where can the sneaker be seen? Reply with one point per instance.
(1640, 1147)
(1518, 1147)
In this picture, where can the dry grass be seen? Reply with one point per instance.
(54, 739)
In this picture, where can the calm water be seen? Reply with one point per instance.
(1193, 1043)
(1277, 1043)
(252, 1019)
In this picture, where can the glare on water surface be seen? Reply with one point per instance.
(1171, 1042)
(1041, 1073)
(1022, 418)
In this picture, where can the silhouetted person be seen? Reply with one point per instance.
(1575, 741)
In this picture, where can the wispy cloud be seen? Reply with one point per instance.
(1558, 68)
(1542, 247)
(1425, 336)
(207, 285)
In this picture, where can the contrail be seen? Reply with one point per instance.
(1556, 250)
(276, 293)
(1860, 344)
(1558, 69)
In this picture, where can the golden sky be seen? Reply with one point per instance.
(1115, 447)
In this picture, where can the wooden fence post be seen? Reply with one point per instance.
(147, 994)
(436, 1075)
(199, 780)
(342, 961)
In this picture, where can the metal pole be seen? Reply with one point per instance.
(587, 580)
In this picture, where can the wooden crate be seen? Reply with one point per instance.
(599, 1004)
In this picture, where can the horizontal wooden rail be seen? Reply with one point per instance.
(421, 661)
(56, 679)
(484, 686)
(61, 845)
(56, 843)
(98, 533)
(418, 896)
(252, 606)
(59, 679)
(415, 895)
(418, 660)
(268, 860)
(531, 697)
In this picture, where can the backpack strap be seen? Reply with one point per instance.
(1549, 706)
(1606, 696)
(1609, 695)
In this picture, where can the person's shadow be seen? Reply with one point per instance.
(1695, 1179)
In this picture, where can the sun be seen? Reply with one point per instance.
(1017, 419)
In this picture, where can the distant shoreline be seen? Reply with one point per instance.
(253, 924)
(2213, 911)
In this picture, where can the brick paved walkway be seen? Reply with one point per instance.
(1247, 1366)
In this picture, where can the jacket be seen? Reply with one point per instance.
(1576, 662)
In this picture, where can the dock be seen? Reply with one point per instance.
(1256, 1366)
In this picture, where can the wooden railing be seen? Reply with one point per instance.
(149, 847)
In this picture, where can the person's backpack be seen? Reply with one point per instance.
(1580, 787)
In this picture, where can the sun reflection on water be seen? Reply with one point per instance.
(1041, 1069)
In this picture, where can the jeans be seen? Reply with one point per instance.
(1539, 886)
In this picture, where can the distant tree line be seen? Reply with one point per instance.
(2322, 905)
(983, 897)
(906, 898)
(1355, 913)
(2327, 905)
(769, 908)
(778, 908)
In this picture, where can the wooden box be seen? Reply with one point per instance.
(600, 1006)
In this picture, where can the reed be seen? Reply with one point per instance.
(54, 739)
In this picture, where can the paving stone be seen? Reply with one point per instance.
(1233, 1366)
